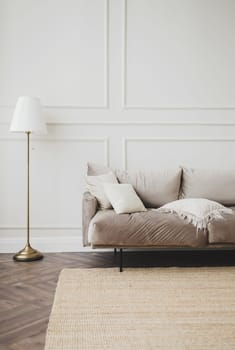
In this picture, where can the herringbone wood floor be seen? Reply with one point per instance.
(27, 289)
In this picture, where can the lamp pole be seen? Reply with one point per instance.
(28, 135)
(28, 253)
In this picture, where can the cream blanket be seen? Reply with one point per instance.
(198, 211)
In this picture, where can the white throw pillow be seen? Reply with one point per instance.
(123, 198)
(198, 211)
(95, 187)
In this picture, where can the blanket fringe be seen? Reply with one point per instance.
(199, 223)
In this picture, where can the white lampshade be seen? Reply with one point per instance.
(27, 116)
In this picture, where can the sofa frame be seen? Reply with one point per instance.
(90, 207)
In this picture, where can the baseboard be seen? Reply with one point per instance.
(45, 244)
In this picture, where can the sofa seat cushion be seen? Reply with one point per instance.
(145, 229)
(222, 230)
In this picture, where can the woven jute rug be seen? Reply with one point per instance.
(153, 308)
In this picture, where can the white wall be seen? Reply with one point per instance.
(132, 83)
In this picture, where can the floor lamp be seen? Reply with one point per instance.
(27, 118)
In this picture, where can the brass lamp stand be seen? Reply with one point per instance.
(28, 253)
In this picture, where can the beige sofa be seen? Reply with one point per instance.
(151, 229)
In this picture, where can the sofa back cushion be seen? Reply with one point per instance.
(155, 188)
(216, 185)
(94, 169)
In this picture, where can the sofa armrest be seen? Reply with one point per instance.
(89, 208)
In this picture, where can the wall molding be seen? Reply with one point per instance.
(66, 139)
(48, 244)
(106, 70)
(124, 53)
(127, 140)
(136, 123)
(125, 105)
(32, 228)
(133, 123)
(44, 244)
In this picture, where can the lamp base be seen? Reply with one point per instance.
(28, 254)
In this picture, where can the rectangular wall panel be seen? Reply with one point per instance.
(150, 154)
(179, 54)
(54, 49)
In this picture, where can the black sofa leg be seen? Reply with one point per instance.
(115, 251)
(121, 260)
